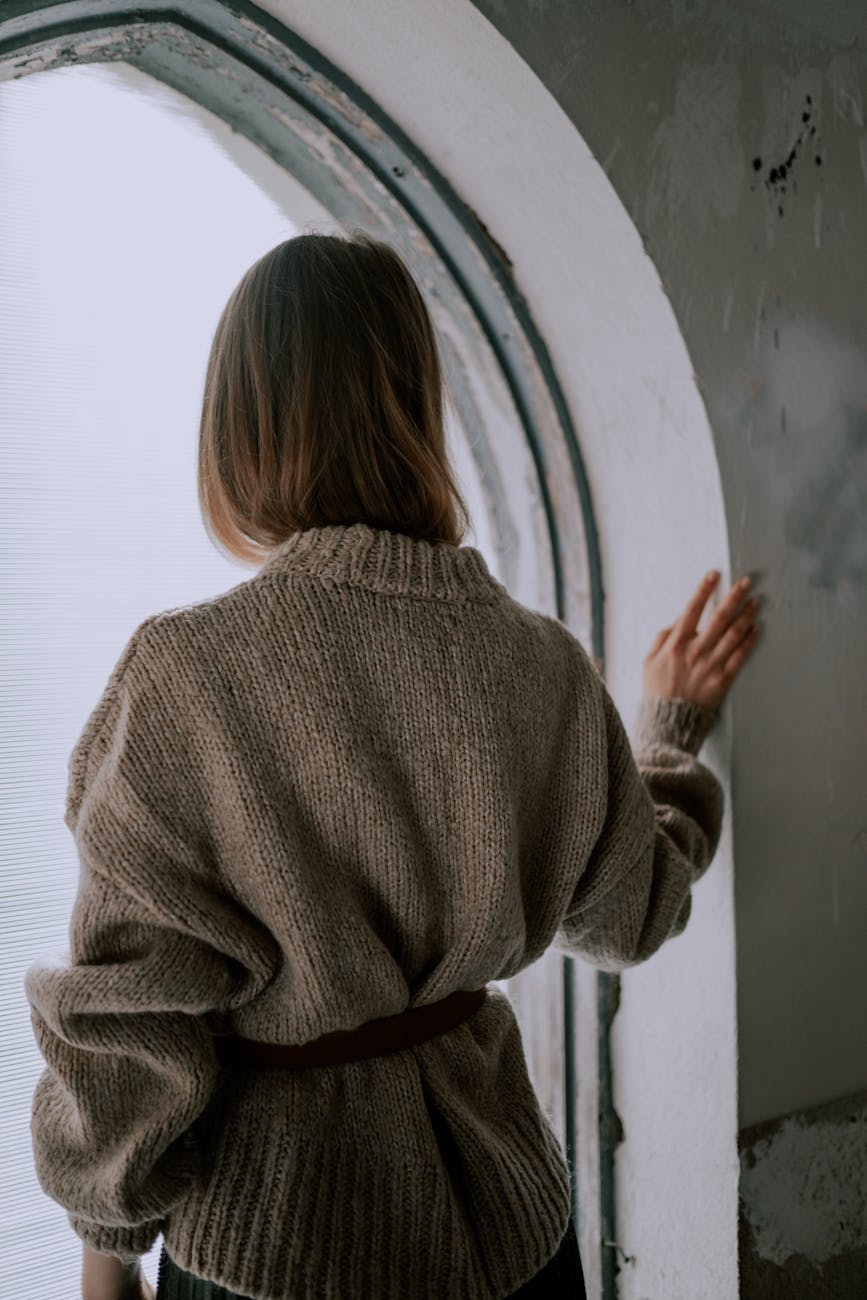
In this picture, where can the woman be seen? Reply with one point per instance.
(321, 812)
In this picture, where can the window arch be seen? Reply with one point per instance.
(535, 516)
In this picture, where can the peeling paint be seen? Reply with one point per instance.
(326, 91)
(803, 1192)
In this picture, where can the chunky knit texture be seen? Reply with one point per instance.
(355, 782)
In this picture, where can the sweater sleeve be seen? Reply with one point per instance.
(122, 1020)
(659, 832)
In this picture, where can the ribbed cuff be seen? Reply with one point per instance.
(126, 1243)
(661, 720)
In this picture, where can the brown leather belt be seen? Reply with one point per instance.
(374, 1038)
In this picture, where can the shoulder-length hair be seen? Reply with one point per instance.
(323, 401)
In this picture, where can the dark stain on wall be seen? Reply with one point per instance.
(779, 175)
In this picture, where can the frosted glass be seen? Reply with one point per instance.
(125, 221)
(127, 215)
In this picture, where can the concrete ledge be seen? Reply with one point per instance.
(803, 1204)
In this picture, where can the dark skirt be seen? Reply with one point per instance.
(560, 1279)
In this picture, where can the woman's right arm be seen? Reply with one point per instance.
(664, 808)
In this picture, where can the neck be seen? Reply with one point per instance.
(383, 560)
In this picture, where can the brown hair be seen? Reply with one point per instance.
(323, 401)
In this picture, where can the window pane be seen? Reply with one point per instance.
(127, 215)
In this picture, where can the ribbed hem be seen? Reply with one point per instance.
(473, 1201)
(359, 1246)
(677, 722)
(384, 561)
(127, 1243)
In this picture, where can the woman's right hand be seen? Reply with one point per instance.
(686, 664)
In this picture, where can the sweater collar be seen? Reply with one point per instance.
(383, 560)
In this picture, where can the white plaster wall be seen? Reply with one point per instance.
(449, 79)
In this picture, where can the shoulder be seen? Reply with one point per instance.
(561, 644)
(573, 648)
(193, 633)
(548, 659)
(149, 685)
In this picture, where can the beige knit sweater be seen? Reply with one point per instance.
(355, 782)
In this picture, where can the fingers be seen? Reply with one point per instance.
(718, 654)
(688, 622)
(660, 637)
(738, 657)
(722, 619)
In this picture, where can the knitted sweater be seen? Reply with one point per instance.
(355, 782)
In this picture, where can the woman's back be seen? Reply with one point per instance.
(372, 779)
(382, 740)
(358, 783)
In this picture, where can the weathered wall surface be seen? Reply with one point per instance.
(804, 1204)
(735, 136)
(737, 144)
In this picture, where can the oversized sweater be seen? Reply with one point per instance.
(355, 782)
